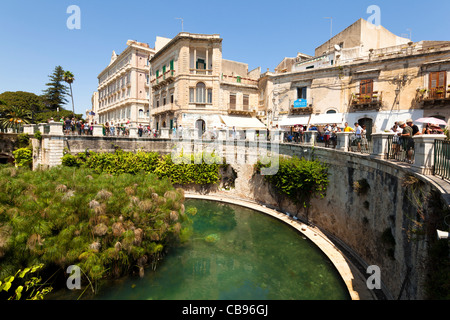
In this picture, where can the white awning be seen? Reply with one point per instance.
(242, 122)
(329, 118)
(294, 121)
(320, 119)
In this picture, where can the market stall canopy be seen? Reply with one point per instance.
(242, 122)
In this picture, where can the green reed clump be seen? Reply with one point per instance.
(201, 169)
(107, 225)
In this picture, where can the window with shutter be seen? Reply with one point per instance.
(437, 84)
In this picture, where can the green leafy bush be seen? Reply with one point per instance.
(23, 157)
(23, 286)
(299, 179)
(186, 169)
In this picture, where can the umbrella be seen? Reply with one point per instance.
(432, 120)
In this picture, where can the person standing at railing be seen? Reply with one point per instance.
(427, 129)
(112, 129)
(407, 140)
(358, 135)
(416, 131)
(364, 141)
(395, 139)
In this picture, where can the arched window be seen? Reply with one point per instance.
(331, 111)
(141, 113)
(201, 93)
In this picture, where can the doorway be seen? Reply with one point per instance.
(200, 127)
(369, 127)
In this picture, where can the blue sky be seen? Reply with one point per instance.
(34, 37)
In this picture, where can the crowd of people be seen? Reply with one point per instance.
(328, 134)
(404, 132)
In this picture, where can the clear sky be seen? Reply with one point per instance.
(34, 37)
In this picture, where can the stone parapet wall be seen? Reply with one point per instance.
(360, 222)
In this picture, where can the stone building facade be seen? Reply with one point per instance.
(193, 86)
(124, 86)
(364, 74)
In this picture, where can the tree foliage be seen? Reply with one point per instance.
(22, 99)
(56, 92)
(14, 117)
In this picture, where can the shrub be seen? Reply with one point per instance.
(23, 157)
(69, 160)
(299, 179)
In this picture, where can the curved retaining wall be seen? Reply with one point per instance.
(373, 227)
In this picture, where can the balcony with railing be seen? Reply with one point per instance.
(245, 111)
(367, 101)
(238, 80)
(435, 96)
(164, 79)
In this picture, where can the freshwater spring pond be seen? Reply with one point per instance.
(235, 253)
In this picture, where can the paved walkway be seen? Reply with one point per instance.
(353, 279)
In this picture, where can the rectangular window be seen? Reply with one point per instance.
(246, 102)
(301, 93)
(201, 65)
(191, 95)
(209, 95)
(366, 87)
(437, 84)
(171, 98)
(172, 68)
(232, 101)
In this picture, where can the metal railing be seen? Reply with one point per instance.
(400, 149)
(442, 158)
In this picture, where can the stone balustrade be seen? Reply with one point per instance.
(423, 155)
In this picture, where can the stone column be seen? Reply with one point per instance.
(424, 152)
(133, 132)
(222, 135)
(165, 133)
(250, 135)
(343, 141)
(27, 129)
(380, 144)
(56, 129)
(41, 127)
(310, 138)
(97, 130)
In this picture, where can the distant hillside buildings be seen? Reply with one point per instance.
(363, 74)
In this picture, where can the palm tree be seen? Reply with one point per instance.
(14, 117)
(70, 78)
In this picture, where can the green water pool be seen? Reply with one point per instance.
(236, 254)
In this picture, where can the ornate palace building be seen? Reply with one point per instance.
(194, 87)
(124, 86)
